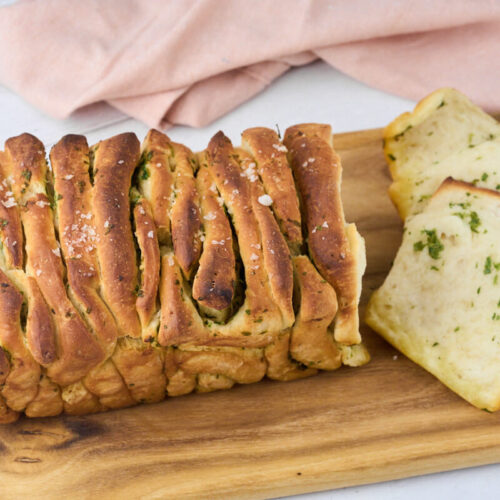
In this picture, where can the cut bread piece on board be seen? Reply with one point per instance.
(417, 144)
(440, 304)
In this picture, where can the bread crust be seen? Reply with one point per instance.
(272, 166)
(78, 350)
(214, 283)
(317, 170)
(115, 160)
(151, 271)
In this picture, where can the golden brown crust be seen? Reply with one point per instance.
(241, 366)
(40, 328)
(4, 366)
(156, 181)
(79, 401)
(7, 416)
(78, 351)
(214, 283)
(185, 212)
(115, 160)
(141, 366)
(48, 401)
(21, 384)
(147, 302)
(272, 167)
(11, 232)
(92, 316)
(311, 342)
(317, 171)
(180, 321)
(26, 166)
(276, 255)
(78, 236)
(280, 365)
(235, 190)
(107, 384)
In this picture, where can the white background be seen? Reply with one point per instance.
(314, 93)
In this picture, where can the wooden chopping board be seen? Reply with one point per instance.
(389, 419)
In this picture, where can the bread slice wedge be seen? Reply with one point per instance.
(440, 303)
(445, 135)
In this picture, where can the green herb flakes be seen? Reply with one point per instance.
(433, 244)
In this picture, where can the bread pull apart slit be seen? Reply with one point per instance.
(215, 279)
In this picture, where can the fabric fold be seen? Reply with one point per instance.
(189, 62)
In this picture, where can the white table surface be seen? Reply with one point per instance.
(315, 93)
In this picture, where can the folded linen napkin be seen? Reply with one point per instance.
(190, 61)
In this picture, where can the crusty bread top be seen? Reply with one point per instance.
(317, 170)
(272, 166)
(78, 350)
(131, 272)
(115, 160)
(214, 283)
(78, 235)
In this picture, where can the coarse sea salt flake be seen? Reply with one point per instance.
(10, 202)
(265, 200)
(280, 147)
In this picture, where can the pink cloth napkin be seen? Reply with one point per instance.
(190, 61)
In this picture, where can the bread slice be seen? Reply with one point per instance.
(440, 304)
(445, 135)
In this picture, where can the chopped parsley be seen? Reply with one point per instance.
(145, 173)
(484, 177)
(433, 244)
(398, 136)
(391, 157)
(471, 216)
(488, 264)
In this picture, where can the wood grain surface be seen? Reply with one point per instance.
(386, 420)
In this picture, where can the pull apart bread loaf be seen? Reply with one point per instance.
(128, 274)
(440, 304)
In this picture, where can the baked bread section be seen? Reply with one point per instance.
(134, 272)
(439, 305)
(445, 135)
